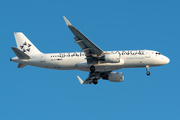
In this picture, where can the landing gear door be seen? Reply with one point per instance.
(147, 54)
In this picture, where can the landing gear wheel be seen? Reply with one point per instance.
(92, 68)
(147, 69)
(95, 81)
(148, 73)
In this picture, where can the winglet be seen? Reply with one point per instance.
(80, 80)
(67, 21)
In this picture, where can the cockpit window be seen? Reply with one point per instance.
(158, 53)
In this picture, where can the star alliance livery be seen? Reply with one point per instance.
(99, 63)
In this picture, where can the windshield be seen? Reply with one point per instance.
(157, 53)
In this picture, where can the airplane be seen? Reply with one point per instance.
(99, 63)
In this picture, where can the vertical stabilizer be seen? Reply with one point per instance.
(25, 45)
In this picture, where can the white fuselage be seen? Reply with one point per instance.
(77, 60)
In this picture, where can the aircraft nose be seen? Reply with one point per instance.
(167, 60)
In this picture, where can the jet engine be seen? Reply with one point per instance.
(115, 77)
(110, 58)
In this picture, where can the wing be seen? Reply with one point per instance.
(86, 45)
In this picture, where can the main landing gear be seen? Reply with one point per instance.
(92, 71)
(92, 68)
(147, 69)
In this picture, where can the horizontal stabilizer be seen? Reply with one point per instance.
(20, 54)
(21, 65)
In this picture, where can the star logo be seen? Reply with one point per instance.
(25, 47)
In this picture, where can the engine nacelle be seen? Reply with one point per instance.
(115, 77)
(111, 58)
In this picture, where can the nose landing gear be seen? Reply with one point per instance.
(147, 69)
(148, 73)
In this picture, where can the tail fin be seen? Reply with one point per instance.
(25, 45)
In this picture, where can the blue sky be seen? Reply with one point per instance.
(36, 93)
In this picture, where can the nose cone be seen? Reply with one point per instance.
(166, 60)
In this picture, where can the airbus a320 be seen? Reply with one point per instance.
(99, 63)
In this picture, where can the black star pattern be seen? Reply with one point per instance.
(28, 50)
(29, 45)
(24, 50)
(25, 47)
(21, 47)
(25, 43)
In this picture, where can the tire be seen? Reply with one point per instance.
(92, 68)
(95, 81)
(148, 73)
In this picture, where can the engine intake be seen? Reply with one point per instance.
(115, 77)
